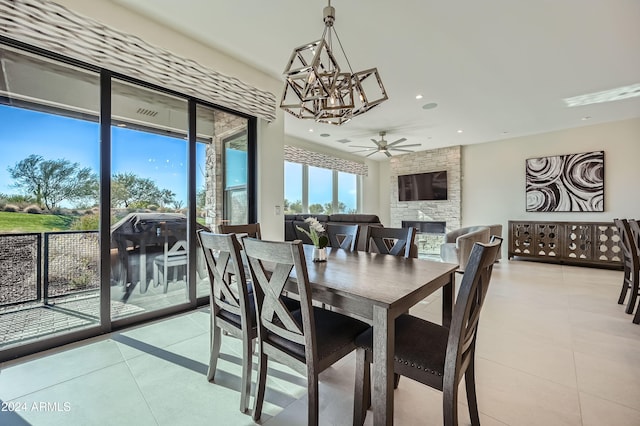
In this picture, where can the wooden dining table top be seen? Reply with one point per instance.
(376, 279)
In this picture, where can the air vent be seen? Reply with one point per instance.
(147, 112)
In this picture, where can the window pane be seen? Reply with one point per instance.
(292, 188)
(320, 190)
(148, 198)
(49, 140)
(235, 183)
(347, 193)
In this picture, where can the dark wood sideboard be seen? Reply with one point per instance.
(574, 243)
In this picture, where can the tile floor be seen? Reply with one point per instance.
(554, 349)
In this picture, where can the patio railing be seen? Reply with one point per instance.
(67, 263)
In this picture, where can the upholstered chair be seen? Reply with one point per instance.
(458, 244)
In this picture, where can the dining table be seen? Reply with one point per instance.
(379, 288)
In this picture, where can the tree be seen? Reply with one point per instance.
(291, 208)
(54, 181)
(130, 190)
(316, 208)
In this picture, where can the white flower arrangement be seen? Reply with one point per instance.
(315, 232)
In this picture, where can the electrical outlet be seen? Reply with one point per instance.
(277, 210)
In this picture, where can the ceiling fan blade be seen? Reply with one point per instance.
(365, 150)
(397, 142)
(362, 146)
(371, 154)
(411, 144)
(403, 150)
(388, 154)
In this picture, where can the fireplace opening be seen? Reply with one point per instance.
(426, 227)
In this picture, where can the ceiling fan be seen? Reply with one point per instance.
(383, 146)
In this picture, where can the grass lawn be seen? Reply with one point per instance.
(26, 222)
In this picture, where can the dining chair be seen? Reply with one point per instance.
(432, 354)
(309, 339)
(250, 229)
(174, 255)
(631, 263)
(634, 227)
(394, 241)
(343, 236)
(232, 309)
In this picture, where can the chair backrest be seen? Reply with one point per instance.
(250, 229)
(222, 255)
(394, 241)
(494, 238)
(466, 313)
(634, 227)
(343, 236)
(273, 314)
(629, 242)
(175, 243)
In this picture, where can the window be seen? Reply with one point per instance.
(318, 190)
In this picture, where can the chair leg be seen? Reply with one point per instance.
(312, 395)
(165, 276)
(633, 297)
(625, 284)
(155, 275)
(450, 404)
(636, 317)
(260, 385)
(362, 391)
(247, 362)
(215, 339)
(470, 383)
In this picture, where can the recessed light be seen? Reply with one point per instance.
(324, 135)
(311, 130)
(418, 96)
(459, 131)
(430, 105)
(604, 96)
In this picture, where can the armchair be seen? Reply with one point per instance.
(458, 244)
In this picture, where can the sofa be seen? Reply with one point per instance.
(457, 245)
(291, 221)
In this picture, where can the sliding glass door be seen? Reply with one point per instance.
(81, 147)
(149, 167)
(49, 206)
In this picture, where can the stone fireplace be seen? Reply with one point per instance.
(428, 216)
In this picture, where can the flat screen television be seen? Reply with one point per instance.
(423, 186)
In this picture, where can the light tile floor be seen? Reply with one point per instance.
(554, 348)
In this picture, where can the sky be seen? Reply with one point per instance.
(160, 158)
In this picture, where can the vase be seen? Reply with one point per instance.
(319, 254)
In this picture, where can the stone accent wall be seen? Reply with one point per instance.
(450, 211)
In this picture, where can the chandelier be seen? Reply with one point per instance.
(317, 88)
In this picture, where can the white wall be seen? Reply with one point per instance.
(493, 185)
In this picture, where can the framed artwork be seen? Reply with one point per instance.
(566, 183)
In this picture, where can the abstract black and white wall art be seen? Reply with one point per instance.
(566, 183)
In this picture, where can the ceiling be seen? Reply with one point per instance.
(496, 69)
